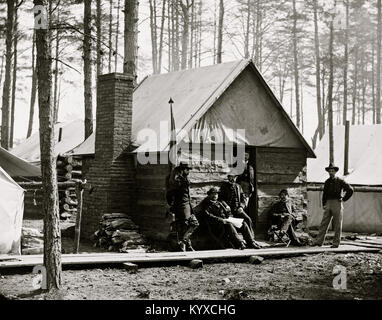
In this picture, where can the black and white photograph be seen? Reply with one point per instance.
(191, 156)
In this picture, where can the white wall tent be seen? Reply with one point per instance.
(363, 212)
(72, 134)
(11, 214)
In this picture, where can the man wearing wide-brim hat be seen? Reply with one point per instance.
(178, 197)
(332, 201)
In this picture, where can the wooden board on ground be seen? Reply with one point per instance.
(119, 258)
(362, 244)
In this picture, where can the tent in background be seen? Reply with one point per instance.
(363, 212)
(11, 214)
(17, 167)
(72, 134)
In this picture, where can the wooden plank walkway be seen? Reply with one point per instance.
(7, 262)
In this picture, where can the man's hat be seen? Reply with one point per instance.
(213, 190)
(233, 172)
(332, 166)
(184, 165)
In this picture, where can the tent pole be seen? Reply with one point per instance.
(346, 153)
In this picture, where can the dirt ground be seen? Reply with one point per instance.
(294, 278)
(306, 277)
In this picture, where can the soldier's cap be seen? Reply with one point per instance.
(184, 165)
(212, 190)
(332, 166)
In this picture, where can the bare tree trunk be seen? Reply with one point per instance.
(161, 36)
(2, 68)
(177, 48)
(110, 33)
(192, 39)
(330, 95)
(154, 41)
(324, 101)
(99, 38)
(302, 103)
(215, 33)
(5, 117)
(88, 69)
(295, 62)
(200, 34)
(56, 72)
(33, 88)
(373, 79)
(364, 87)
(117, 36)
(169, 35)
(185, 30)
(379, 36)
(318, 72)
(257, 25)
(355, 87)
(52, 233)
(220, 33)
(346, 65)
(14, 78)
(131, 37)
(111, 49)
(246, 36)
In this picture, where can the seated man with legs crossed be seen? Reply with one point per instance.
(216, 214)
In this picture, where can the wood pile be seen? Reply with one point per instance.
(68, 168)
(117, 232)
(32, 241)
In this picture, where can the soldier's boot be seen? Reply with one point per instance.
(182, 246)
(189, 245)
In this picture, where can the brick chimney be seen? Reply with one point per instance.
(111, 176)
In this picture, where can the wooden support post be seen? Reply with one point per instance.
(346, 153)
(78, 217)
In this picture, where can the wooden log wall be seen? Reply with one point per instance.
(68, 168)
(150, 213)
(277, 169)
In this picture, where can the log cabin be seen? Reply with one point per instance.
(223, 109)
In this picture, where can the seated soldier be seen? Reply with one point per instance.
(216, 213)
(283, 219)
(232, 194)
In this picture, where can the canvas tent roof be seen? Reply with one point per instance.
(17, 167)
(11, 214)
(72, 136)
(365, 155)
(194, 92)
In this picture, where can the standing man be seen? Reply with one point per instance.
(178, 197)
(332, 201)
(248, 184)
(232, 194)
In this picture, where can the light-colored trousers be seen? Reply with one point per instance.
(333, 212)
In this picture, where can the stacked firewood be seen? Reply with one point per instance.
(118, 232)
(68, 169)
